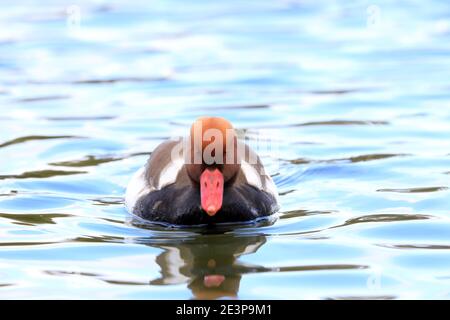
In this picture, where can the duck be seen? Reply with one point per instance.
(207, 178)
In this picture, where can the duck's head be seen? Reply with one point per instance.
(213, 159)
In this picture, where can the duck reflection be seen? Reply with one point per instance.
(209, 264)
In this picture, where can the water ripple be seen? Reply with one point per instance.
(40, 174)
(359, 136)
(415, 190)
(33, 138)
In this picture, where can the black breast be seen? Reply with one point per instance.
(181, 206)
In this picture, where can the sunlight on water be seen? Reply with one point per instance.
(354, 97)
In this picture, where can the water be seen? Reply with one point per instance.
(355, 97)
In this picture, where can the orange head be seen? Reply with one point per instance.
(213, 162)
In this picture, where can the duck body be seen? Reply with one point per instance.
(168, 190)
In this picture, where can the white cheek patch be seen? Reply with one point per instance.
(271, 187)
(170, 172)
(255, 178)
(136, 188)
(251, 175)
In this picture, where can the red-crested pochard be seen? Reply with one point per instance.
(211, 177)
